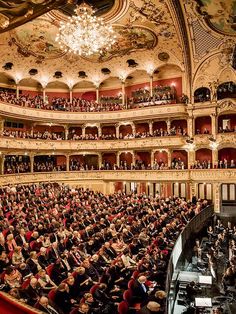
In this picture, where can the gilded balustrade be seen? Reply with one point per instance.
(208, 176)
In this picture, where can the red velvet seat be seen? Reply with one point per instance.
(123, 307)
(128, 297)
(51, 294)
(25, 284)
(74, 311)
(130, 283)
(135, 274)
(94, 288)
(49, 270)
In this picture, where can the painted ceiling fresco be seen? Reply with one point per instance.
(220, 15)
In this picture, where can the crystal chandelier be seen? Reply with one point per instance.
(84, 33)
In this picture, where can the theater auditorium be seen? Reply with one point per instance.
(118, 157)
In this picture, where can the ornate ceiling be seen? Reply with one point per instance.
(154, 33)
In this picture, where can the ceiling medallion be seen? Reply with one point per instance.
(84, 33)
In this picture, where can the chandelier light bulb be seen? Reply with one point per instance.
(84, 33)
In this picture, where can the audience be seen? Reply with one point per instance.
(82, 247)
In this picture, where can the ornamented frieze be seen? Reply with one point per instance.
(93, 117)
(216, 175)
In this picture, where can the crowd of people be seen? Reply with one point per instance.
(160, 93)
(215, 255)
(77, 104)
(64, 249)
(227, 129)
(46, 135)
(73, 135)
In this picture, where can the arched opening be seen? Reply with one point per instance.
(75, 133)
(84, 90)
(203, 159)
(160, 160)
(16, 164)
(110, 91)
(203, 125)
(7, 83)
(126, 160)
(227, 157)
(57, 90)
(30, 87)
(91, 133)
(178, 127)
(141, 129)
(227, 123)
(142, 160)
(138, 87)
(179, 159)
(48, 163)
(202, 94)
(159, 128)
(53, 132)
(125, 131)
(83, 162)
(226, 90)
(168, 78)
(108, 161)
(108, 132)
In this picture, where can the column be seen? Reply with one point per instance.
(133, 128)
(2, 164)
(117, 130)
(99, 161)
(169, 158)
(152, 158)
(66, 132)
(168, 124)
(191, 158)
(214, 158)
(44, 94)
(214, 124)
(190, 122)
(1, 126)
(150, 127)
(191, 190)
(99, 131)
(123, 92)
(83, 130)
(71, 94)
(67, 163)
(151, 85)
(118, 159)
(17, 90)
(133, 157)
(216, 197)
(97, 94)
(31, 156)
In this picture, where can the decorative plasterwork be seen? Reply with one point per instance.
(226, 105)
(93, 117)
(134, 18)
(212, 175)
(219, 15)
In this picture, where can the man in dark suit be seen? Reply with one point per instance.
(140, 289)
(47, 307)
(109, 251)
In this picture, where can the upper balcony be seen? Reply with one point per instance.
(145, 113)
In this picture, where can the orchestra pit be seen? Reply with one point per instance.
(118, 157)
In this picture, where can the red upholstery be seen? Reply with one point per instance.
(25, 283)
(130, 283)
(49, 269)
(74, 311)
(28, 235)
(123, 307)
(135, 274)
(51, 294)
(94, 288)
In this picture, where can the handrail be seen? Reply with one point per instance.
(194, 225)
(10, 305)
